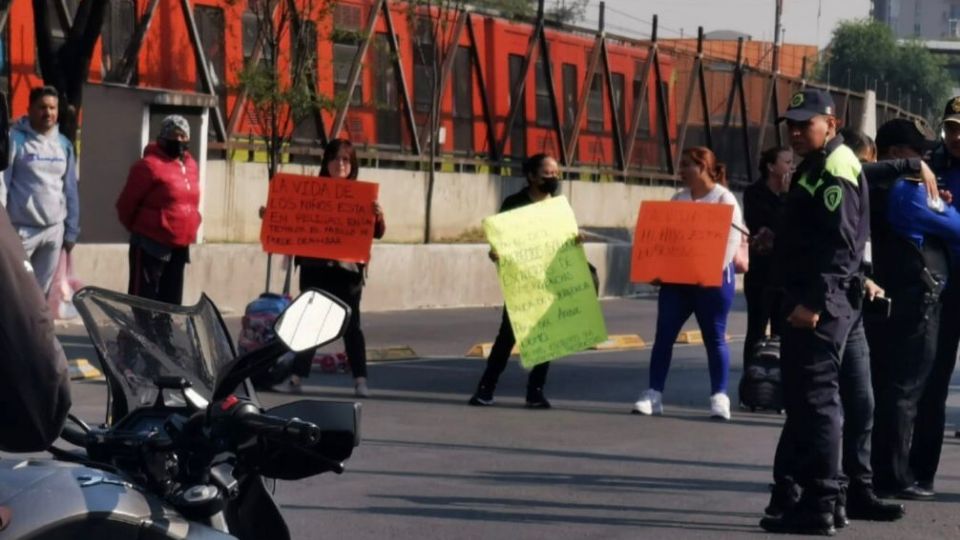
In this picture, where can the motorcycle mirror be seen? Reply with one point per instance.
(315, 318)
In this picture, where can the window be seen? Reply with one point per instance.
(618, 83)
(595, 104)
(462, 101)
(544, 111)
(210, 25)
(386, 94)
(424, 51)
(518, 139)
(118, 25)
(249, 31)
(569, 97)
(643, 131)
(304, 47)
(347, 22)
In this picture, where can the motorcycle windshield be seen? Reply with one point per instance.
(139, 341)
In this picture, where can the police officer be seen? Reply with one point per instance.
(928, 434)
(821, 255)
(910, 235)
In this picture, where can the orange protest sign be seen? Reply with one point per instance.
(681, 242)
(324, 218)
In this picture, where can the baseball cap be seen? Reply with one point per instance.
(951, 113)
(808, 103)
(903, 132)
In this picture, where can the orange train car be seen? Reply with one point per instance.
(376, 117)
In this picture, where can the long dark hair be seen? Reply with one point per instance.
(331, 151)
(769, 157)
(707, 160)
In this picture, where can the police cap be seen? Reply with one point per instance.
(951, 113)
(903, 132)
(808, 103)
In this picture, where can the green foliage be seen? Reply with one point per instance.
(863, 52)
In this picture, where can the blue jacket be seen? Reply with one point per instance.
(910, 217)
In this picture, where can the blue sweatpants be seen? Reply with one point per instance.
(710, 305)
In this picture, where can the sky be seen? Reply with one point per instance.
(753, 17)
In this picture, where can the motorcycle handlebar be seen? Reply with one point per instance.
(292, 430)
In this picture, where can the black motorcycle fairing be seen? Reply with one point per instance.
(255, 514)
(60, 501)
(139, 341)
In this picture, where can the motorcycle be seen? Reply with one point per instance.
(186, 449)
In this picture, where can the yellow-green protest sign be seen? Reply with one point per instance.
(546, 282)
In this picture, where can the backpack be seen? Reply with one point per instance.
(760, 386)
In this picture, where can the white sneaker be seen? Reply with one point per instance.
(650, 402)
(720, 406)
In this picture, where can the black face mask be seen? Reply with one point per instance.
(172, 147)
(549, 185)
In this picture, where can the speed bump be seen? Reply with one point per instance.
(81, 369)
(693, 337)
(482, 350)
(388, 354)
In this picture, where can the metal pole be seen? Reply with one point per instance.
(776, 36)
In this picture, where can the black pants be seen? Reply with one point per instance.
(155, 278)
(856, 397)
(904, 353)
(500, 354)
(810, 368)
(931, 410)
(347, 286)
(763, 306)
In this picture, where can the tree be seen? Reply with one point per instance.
(65, 63)
(277, 100)
(864, 53)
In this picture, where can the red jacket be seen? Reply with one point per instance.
(161, 200)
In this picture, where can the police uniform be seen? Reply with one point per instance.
(820, 252)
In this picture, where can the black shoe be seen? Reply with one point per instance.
(915, 493)
(801, 522)
(483, 397)
(840, 519)
(783, 498)
(863, 504)
(536, 400)
(926, 485)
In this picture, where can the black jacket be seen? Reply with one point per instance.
(34, 380)
(762, 208)
(825, 231)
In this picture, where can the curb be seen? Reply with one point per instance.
(389, 354)
(693, 337)
(81, 369)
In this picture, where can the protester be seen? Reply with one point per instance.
(160, 206)
(542, 174)
(39, 189)
(820, 259)
(704, 181)
(763, 203)
(911, 259)
(344, 280)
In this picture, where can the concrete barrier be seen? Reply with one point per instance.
(400, 276)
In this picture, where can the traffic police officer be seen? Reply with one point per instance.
(911, 232)
(821, 255)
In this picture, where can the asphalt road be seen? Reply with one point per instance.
(430, 467)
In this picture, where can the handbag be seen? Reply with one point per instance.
(741, 259)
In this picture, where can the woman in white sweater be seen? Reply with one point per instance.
(704, 181)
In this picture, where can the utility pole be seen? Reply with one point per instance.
(777, 36)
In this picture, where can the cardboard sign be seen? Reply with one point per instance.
(681, 242)
(546, 282)
(323, 218)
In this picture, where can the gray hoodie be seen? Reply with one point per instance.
(39, 189)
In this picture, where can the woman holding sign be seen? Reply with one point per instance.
(542, 174)
(705, 182)
(344, 280)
